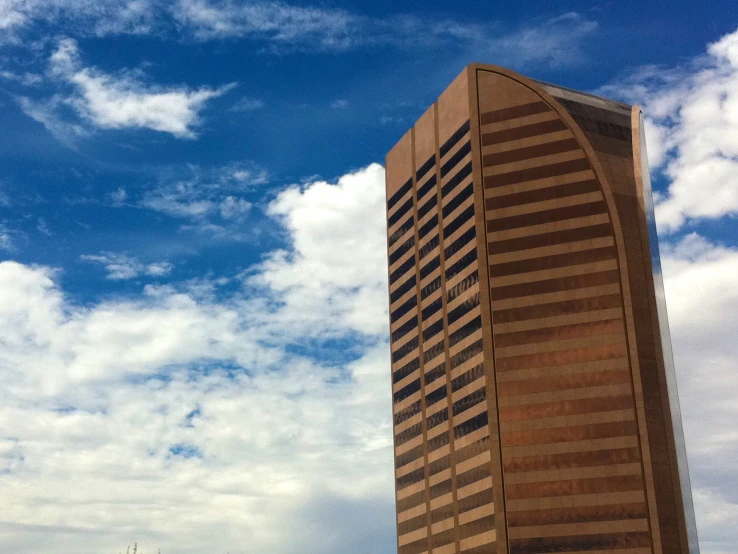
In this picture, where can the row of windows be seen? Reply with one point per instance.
(405, 308)
(400, 291)
(450, 185)
(461, 264)
(430, 267)
(404, 329)
(470, 425)
(455, 159)
(430, 288)
(428, 206)
(440, 417)
(467, 354)
(411, 501)
(428, 226)
(433, 330)
(410, 525)
(405, 349)
(411, 478)
(464, 308)
(467, 377)
(456, 137)
(401, 230)
(425, 189)
(436, 396)
(450, 228)
(400, 251)
(437, 466)
(470, 400)
(407, 390)
(396, 197)
(405, 370)
(475, 501)
(435, 373)
(469, 329)
(431, 309)
(409, 456)
(409, 434)
(473, 475)
(458, 200)
(408, 412)
(397, 216)
(406, 266)
(425, 168)
(429, 246)
(466, 237)
(462, 286)
(438, 442)
(432, 352)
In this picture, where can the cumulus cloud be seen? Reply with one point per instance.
(120, 267)
(120, 102)
(692, 116)
(247, 443)
(334, 277)
(703, 313)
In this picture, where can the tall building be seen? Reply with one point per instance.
(535, 404)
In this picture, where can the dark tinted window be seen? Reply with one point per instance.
(465, 378)
(405, 370)
(460, 242)
(397, 216)
(431, 287)
(467, 354)
(405, 308)
(428, 226)
(462, 286)
(425, 208)
(404, 247)
(434, 374)
(433, 330)
(404, 329)
(470, 400)
(429, 246)
(402, 289)
(433, 397)
(430, 267)
(456, 137)
(396, 197)
(425, 168)
(426, 188)
(431, 308)
(407, 390)
(450, 228)
(461, 264)
(404, 350)
(458, 200)
(432, 352)
(450, 185)
(455, 159)
(400, 271)
(468, 329)
(404, 228)
(464, 308)
(470, 425)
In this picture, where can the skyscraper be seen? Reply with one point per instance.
(535, 405)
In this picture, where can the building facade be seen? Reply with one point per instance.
(534, 397)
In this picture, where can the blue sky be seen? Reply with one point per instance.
(193, 328)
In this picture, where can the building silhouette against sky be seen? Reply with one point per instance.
(535, 405)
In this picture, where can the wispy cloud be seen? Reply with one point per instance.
(691, 116)
(121, 267)
(122, 101)
(283, 27)
(247, 104)
(211, 200)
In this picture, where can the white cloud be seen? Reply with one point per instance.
(334, 278)
(120, 267)
(8, 238)
(120, 102)
(703, 314)
(692, 116)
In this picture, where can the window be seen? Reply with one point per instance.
(455, 159)
(450, 228)
(469, 329)
(397, 216)
(450, 185)
(455, 138)
(470, 425)
(425, 208)
(404, 228)
(404, 329)
(402, 289)
(431, 308)
(433, 330)
(467, 354)
(430, 288)
(405, 308)
(426, 188)
(400, 271)
(405, 349)
(428, 226)
(429, 246)
(430, 267)
(462, 286)
(404, 247)
(425, 168)
(464, 308)
(464, 262)
(458, 200)
(407, 390)
(396, 197)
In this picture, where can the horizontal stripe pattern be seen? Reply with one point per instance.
(554, 285)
